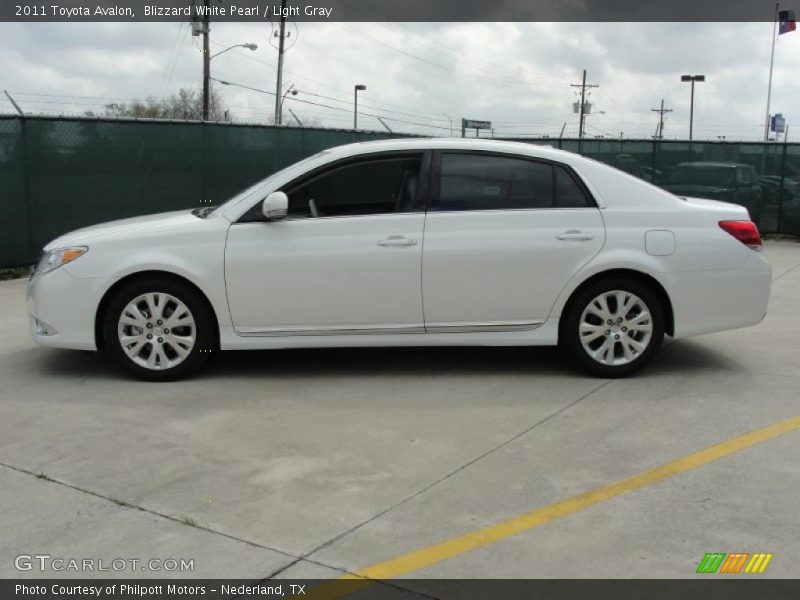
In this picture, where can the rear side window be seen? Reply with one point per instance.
(488, 182)
(568, 193)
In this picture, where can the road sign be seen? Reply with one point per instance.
(777, 123)
(473, 124)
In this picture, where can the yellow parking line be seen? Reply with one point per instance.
(424, 557)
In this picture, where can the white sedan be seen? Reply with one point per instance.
(409, 243)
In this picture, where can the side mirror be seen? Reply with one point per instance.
(276, 206)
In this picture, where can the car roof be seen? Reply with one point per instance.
(547, 152)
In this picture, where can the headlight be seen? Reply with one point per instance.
(60, 256)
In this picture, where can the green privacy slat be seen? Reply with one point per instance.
(66, 173)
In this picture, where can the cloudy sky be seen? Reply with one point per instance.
(419, 76)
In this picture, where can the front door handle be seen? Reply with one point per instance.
(575, 234)
(397, 240)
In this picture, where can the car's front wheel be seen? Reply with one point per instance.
(613, 327)
(158, 329)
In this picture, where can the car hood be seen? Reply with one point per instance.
(123, 228)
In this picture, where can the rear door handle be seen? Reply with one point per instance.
(575, 234)
(397, 240)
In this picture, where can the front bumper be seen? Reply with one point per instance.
(62, 308)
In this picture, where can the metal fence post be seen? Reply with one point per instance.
(204, 156)
(655, 162)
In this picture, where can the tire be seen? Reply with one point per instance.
(625, 345)
(149, 307)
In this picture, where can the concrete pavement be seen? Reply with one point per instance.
(318, 463)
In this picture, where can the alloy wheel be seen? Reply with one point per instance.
(616, 328)
(156, 331)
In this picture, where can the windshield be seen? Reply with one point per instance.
(710, 175)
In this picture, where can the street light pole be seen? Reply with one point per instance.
(692, 79)
(207, 65)
(449, 118)
(281, 46)
(290, 90)
(248, 46)
(206, 62)
(358, 88)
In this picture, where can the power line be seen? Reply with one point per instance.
(471, 76)
(336, 108)
(295, 75)
(450, 53)
(348, 102)
(172, 62)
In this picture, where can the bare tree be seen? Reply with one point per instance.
(187, 103)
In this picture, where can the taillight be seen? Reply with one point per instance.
(744, 231)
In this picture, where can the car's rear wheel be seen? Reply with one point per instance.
(613, 327)
(158, 329)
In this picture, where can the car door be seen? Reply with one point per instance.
(503, 236)
(346, 260)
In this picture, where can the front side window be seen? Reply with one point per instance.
(488, 182)
(371, 187)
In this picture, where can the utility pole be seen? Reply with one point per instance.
(661, 112)
(582, 110)
(279, 85)
(16, 106)
(206, 61)
(771, 62)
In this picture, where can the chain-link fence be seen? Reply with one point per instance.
(59, 174)
(763, 177)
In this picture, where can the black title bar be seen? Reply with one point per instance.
(390, 10)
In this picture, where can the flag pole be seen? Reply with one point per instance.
(771, 61)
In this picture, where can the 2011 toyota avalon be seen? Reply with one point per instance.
(409, 243)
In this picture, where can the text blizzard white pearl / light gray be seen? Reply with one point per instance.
(235, 11)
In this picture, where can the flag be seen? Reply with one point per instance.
(786, 22)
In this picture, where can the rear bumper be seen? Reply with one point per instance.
(708, 301)
(61, 309)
